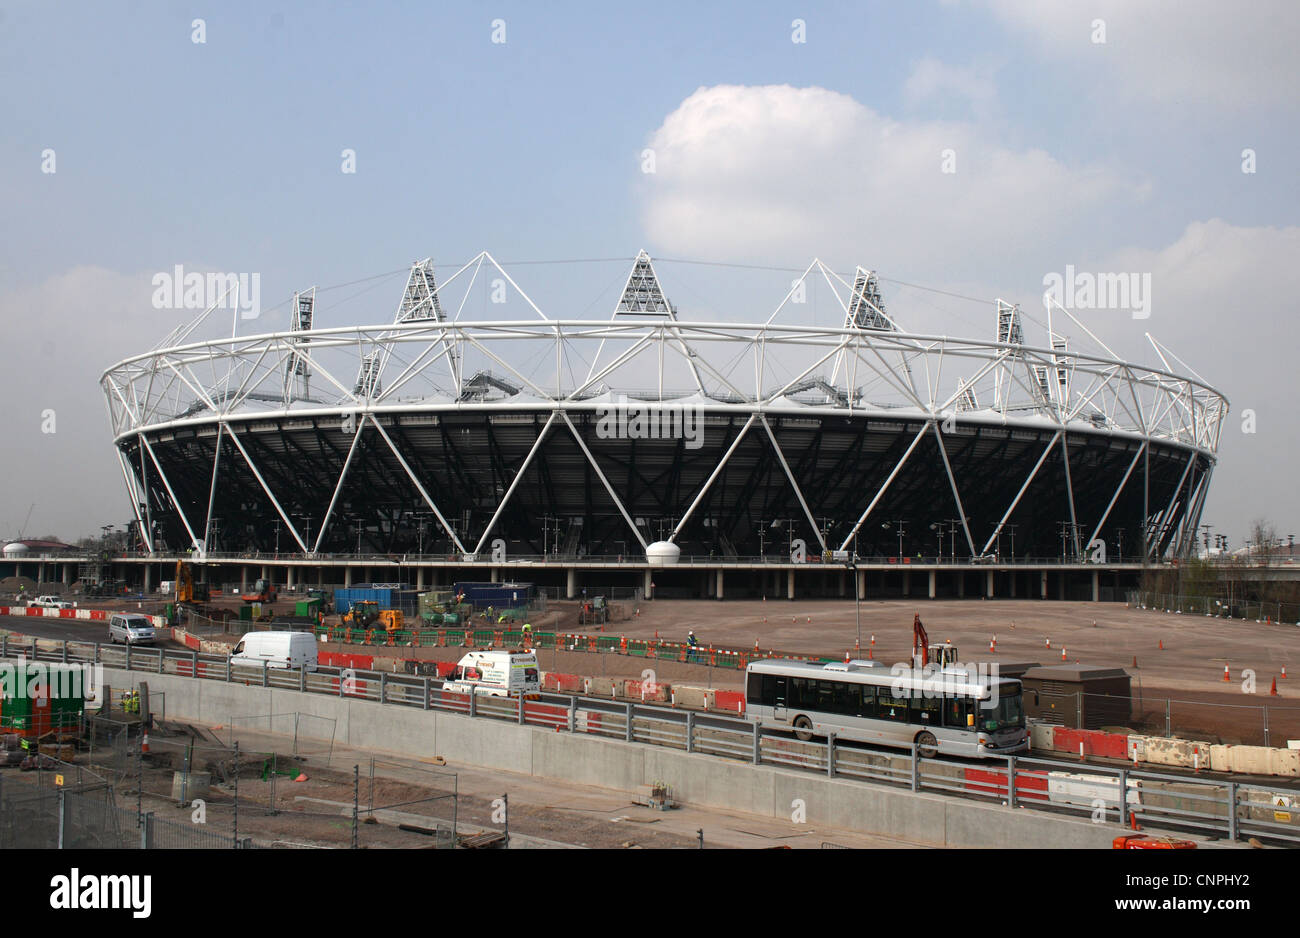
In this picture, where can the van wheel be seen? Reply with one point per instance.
(927, 745)
(803, 728)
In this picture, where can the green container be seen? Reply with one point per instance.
(245, 613)
(306, 607)
(451, 618)
(432, 618)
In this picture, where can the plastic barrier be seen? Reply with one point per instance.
(729, 701)
(1030, 786)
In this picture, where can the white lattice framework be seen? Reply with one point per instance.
(758, 369)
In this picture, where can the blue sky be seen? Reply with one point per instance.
(226, 154)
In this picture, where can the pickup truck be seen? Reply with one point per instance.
(49, 602)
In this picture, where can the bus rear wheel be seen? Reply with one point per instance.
(927, 745)
(803, 728)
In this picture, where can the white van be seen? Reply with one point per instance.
(277, 650)
(496, 674)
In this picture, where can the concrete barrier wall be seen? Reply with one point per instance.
(695, 778)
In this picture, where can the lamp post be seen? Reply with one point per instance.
(852, 566)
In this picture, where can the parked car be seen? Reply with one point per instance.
(130, 629)
(49, 602)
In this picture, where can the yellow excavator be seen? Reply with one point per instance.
(188, 592)
(366, 614)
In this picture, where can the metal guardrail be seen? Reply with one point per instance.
(1215, 807)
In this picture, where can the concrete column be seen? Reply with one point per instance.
(708, 580)
(419, 578)
(1096, 586)
(347, 576)
(789, 584)
(934, 575)
(719, 589)
(1012, 576)
(496, 576)
(844, 583)
(907, 583)
(1044, 583)
(961, 584)
(266, 573)
(571, 587)
(648, 589)
(148, 578)
(243, 579)
(320, 577)
(288, 577)
(67, 574)
(862, 584)
(40, 573)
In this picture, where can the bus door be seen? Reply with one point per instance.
(779, 697)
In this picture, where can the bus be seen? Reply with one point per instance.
(942, 710)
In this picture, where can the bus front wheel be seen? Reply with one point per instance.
(927, 745)
(803, 728)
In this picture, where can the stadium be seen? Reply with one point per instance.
(459, 437)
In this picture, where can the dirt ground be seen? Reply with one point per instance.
(1179, 679)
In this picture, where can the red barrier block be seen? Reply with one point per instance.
(98, 615)
(1030, 786)
(729, 701)
(67, 613)
(445, 668)
(1095, 742)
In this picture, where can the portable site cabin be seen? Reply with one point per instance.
(1077, 696)
(37, 698)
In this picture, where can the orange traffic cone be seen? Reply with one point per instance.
(993, 646)
(1273, 691)
(1226, 677)
(1047, 642)
(144, 743)
(1062, 652)
(1284, 672)
(1162, 644)
(1133, 822)
(846, 661)
(870, 654)
(873, 639)
(1135, 661)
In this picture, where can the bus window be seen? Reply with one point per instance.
(799, 695)
(954, 712)
(868, 706)
(890, 707)
(848, 699)
(826, 697)
(754, 688)
(926, 710)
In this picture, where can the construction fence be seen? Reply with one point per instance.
(1221, 607)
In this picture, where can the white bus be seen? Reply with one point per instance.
(947, 711)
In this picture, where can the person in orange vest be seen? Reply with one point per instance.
(692, 643)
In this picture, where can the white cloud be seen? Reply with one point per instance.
(933, 80)
(782, 172)
(1224, 54)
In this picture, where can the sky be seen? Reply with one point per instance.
(968, 148)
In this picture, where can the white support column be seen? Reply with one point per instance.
(961, 584)
(718, 591)
(419, 578)
(288, 578)
(571, 587)
(1044, 584)
(789, 584)
(648, 589)
(243, 579)
(862, 584)
(148, 579)
(347, 576)
(990, 584)
(934, 576)
(1096, 586)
